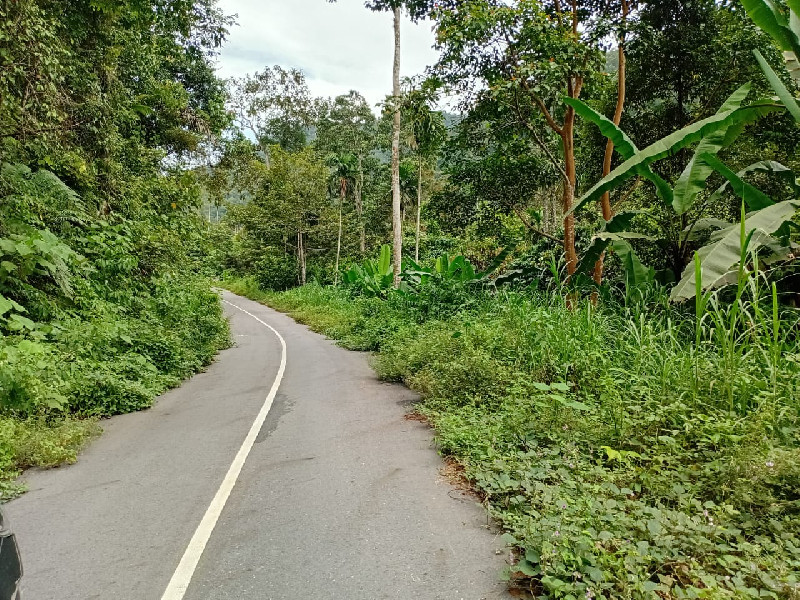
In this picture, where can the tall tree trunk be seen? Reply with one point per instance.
(419, 208)
(568, 194)
(397, 225)
(342, 193)
(360, 206)
(301, 256)
(605, 201)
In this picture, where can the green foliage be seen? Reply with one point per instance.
(39, 443)
(713, 134)
(730, 246)
(666, 147)
(101, 307)
(372, 277)
(603, 440)
(783, 92)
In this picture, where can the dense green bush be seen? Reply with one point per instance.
(604, 440)
(97, 316)
(278, 273)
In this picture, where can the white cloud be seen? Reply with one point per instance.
(339, 46)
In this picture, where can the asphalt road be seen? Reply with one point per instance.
(340, 496)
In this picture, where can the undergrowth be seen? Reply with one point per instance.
(100, 311)
(625, 452)
(55, 387)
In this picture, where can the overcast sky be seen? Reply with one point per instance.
(339, 47)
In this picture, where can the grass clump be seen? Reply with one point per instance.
(39, 443)
(625, 454)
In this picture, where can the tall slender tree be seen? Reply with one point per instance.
(347, 125)
(426, 134)
(416, 9)
(344, 173)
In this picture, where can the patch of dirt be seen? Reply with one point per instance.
(454, 473)
(415, 416)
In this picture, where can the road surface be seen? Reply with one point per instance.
(335, 496)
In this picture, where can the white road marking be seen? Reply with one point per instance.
(183, 574)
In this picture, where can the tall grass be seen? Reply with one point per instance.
(633, 451)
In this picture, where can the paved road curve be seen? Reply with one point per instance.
(339, 498)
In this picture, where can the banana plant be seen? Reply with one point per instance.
(616, 235)
(372, 277)
(720, 259)
(785, 30)
(715, 133)
(711, 135)
(455, 270)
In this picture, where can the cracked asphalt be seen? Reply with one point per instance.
(341, 496)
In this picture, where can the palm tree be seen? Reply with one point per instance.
(344, 172)
(426, 133)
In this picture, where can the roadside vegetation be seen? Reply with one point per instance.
(103, 303)
(592, 277)
(622, 451)
(597, 296)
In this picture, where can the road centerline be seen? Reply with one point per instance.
(182, 577)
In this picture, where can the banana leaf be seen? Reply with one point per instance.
(764, 166)
(769, 18)
(622, 143)
(693, 179)
(718, 258)
(752, 196)
(672, 143)
(783, 92)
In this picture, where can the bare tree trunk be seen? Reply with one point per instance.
(360, 206)
(568, 194)
(419, 208)
(397, 225)
(605, 201)
(301, 255)
(342, 193)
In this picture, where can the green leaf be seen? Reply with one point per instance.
(622, 143)
(575, 405)
(619, 223)
(717, 258)
(765, 166)
(526, 568)
(5, 305)
(753, 197)
(595, 574)
(767, 16)
(650, 586)
(672, 143)
(693, 179)
(18, 323)
(385, 260)
(654, 527)
(636, 274)
(532, 556)
(783, 93)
